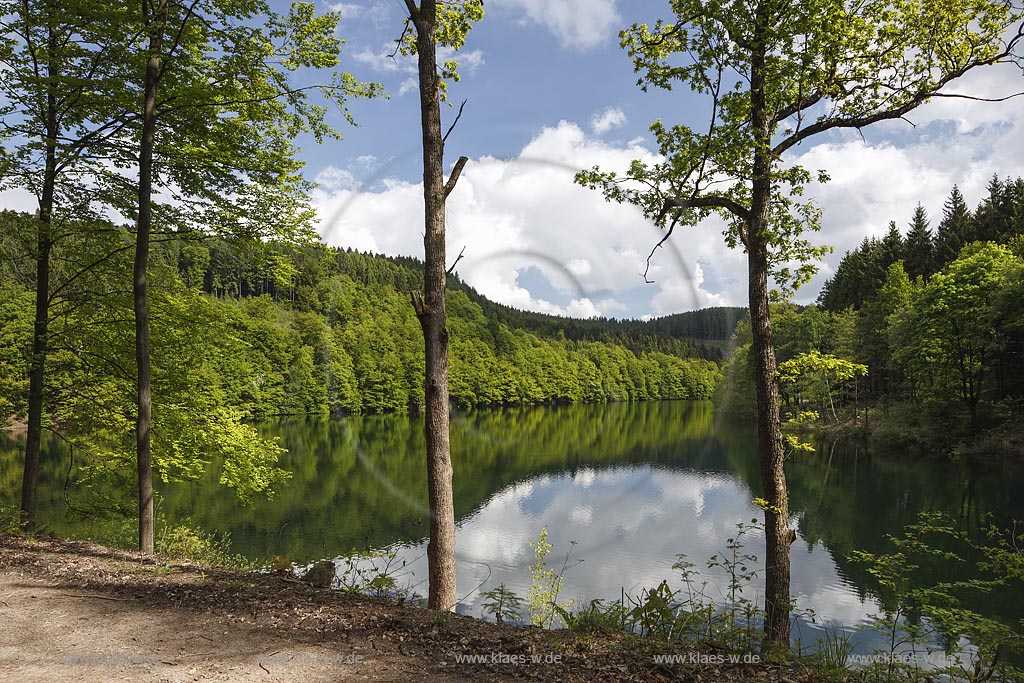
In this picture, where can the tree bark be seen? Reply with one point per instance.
(44, 245)
(430, 310)
(778, 535)
(144, 418)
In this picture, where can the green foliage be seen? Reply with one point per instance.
(358, 350)
(454, 20)
(655, 613)
(184, 540)
(955, 333)
(503, 604)
(818, 376)
(15, 343)
(688, 613)
(602, 616)
(545, 584)
(929, 617)
(940, 339)
(372, 572)
(807, 70)
(10, 520)
(832, 655)
(197, 366)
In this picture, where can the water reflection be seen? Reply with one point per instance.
(631, 484)
(629, 541)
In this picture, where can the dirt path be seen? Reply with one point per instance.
(51, 634)
(76, 611)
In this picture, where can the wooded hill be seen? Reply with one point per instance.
(270, 328)
(294, 273)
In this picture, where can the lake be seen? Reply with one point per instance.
(623, 487)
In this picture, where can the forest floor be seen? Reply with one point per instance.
(77, 611)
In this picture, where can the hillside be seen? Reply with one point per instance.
(282, 329)
(235, 269)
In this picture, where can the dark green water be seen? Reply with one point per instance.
(631, 484)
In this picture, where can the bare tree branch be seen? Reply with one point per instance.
(457, 259)
(454, 178)
(454, 123)
(899, 111)
(974, 98)
(705, 202)
(398, 41)
(671, 228)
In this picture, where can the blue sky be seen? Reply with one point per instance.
(549, 92)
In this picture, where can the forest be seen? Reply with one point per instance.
(269, 329)
(933, 315)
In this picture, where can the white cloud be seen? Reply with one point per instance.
(19, 200)
(579, 266)
(376, 13)
(578, 24)
(612, 117)
(408, 85)
(681, 290)
(334, 178)
(514, 215)
(526, 214)
(469, 61)
(582, 308)
(386, 60)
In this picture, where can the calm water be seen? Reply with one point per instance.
(624, 487)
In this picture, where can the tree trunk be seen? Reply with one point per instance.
(44, 245)
(778, 536)
(144, 419)
(430, 309)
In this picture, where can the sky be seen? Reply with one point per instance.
(549, 91)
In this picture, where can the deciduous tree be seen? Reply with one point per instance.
(225, 123)
(436, 24)
(57, 60)
(775, 74)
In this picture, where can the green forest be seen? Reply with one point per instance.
(267, 329)
(934, 313)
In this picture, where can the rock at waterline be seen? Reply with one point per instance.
(321, 574)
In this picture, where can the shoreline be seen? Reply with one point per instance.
(157, 618)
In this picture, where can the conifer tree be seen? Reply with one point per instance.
(955, 230)
(920, 260)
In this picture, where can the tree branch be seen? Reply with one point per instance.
(454, 123)
(958, 96)
(897, 112)
(456, 262)
(798, 106)
(705, 202)
(398, 41)
(454, 178)
(671, 228)
(418, 304)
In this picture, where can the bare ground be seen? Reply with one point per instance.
(76, 611)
